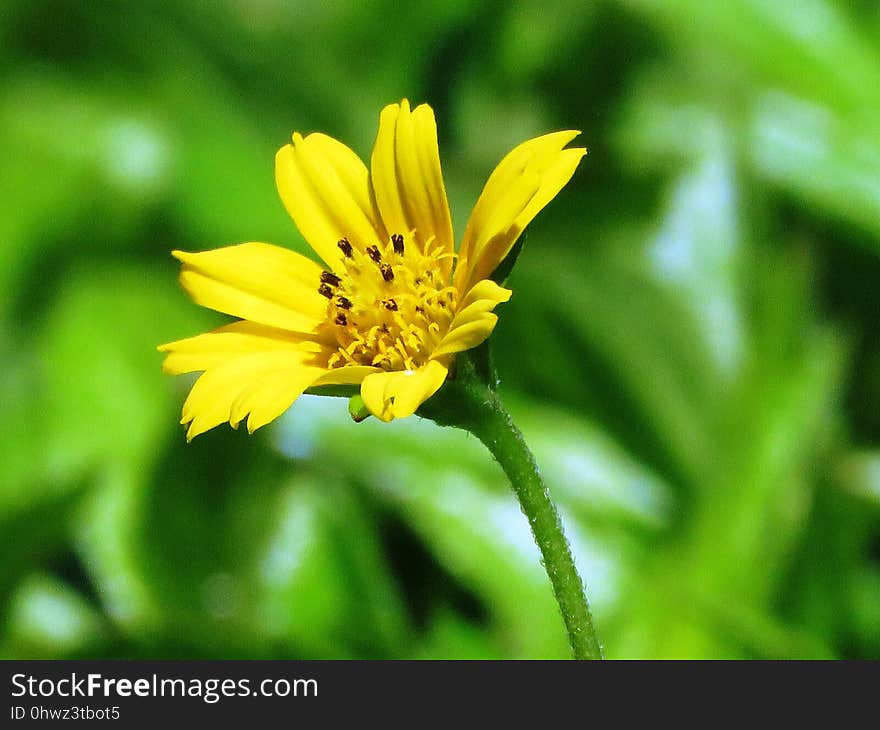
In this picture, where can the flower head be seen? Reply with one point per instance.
(392, 303)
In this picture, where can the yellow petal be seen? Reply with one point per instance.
(348, 375)
(552, 181)
(530, 156)
(528, 178)
(410, 392)
(226, 343)
(474, 321)
(485, 290)
(257, 281)
(399, 394)
(263, 385)
(407, 178)
(376, 392)
(326, 189)
(467, 335)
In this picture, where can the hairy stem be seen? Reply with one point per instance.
(471, 405)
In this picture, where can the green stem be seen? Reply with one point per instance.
(475, 407)
(501, 436)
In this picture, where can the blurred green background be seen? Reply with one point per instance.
(692, 348)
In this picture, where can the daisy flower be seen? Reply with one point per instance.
(389, 305)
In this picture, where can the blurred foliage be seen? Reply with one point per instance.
(692, 347)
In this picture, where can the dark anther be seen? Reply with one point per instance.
(343, 302)
(373, 253)
(420, 310)
(341, 319)
(397, 242)
(345, 246)
(387, 273)
(331, 279)
(383, 328)
(418, 281)
(390, 305)
(325, 291)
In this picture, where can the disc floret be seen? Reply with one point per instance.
(389, 303)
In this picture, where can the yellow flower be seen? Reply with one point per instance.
(391, 305)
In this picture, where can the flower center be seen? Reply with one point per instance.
(391, 306)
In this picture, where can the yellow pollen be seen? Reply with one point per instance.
(391, 306)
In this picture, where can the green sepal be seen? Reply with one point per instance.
(482, 364)
(334, 391)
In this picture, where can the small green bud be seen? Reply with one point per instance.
(357, 409)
